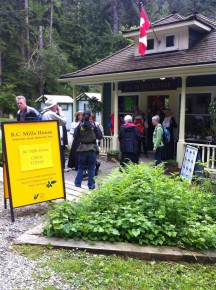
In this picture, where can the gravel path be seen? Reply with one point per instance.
(17, 272)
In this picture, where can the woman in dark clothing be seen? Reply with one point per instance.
(169, 123)
(87, 133)
(129, 137)
(73, 157)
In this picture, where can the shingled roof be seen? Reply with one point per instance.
(201, 52)
(175, 17)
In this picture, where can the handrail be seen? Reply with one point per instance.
(208, 154)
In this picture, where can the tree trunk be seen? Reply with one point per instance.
(26, 8)
(51, 21)
(40, 38)
(115, 17)
(0, 69)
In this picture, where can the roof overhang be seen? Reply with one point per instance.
(58, 98)
(190, 70)
(194, 24)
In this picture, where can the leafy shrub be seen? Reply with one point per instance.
(139, 205)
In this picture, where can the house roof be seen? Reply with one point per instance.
(202, 52)
(58, 98)
(178, 18)
(89, 95)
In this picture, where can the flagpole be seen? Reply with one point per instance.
(158, 41)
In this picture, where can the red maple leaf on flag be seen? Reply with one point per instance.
(144, 27)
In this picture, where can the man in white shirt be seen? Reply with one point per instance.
(53, 112)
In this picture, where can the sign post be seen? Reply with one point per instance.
(33, 166)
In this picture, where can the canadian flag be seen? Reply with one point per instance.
(144, 27)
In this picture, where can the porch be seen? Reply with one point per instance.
(207, 151)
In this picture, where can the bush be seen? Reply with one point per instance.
(139, 205)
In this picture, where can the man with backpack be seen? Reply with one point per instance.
(87, 134)
(158, 136)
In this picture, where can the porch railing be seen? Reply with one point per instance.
(106, 144)
(208, 154)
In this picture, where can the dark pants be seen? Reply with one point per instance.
(128, 157)
(63, 156)
(140, 143)
(86, 159)
(158, 153)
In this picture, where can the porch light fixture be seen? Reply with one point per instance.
(162, 79)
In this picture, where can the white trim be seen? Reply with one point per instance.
(191, 70)
(193, 23)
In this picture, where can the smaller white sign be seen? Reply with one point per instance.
(189, 162)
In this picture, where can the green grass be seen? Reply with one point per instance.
(83, 271)
(7, 120)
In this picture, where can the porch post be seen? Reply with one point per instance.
(115, 136)
(74, 101)
(180, 145)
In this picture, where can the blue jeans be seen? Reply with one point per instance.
(158, 153)
(86, 159)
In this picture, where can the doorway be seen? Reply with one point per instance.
(156, 105)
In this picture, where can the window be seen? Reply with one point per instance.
(63, 106)
(150, 44)
(170, 41)
(197, 117)
(126, 103)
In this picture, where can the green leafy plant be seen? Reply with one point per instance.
(50, 183)
(95, 105)
(139, 205)
(212, 111)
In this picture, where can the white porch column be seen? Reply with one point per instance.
(74, 101)
(180, 144)
(115, 136)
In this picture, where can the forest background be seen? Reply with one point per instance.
(42, 39)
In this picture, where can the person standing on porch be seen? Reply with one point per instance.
(169, 123)
(157, 138)
(129, 138)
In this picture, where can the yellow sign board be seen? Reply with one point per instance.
(33, 162)
(6, 193)
(35, 156)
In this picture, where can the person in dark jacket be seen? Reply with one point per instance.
(170, 124)
(129, 137)
(64, 143)
(87, 133)
(25, 112)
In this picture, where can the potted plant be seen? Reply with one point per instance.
(171, 166)
(113, 155)
(212, 111)
(95, 106)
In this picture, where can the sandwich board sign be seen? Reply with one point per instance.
(189, 161)
(32, 162)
